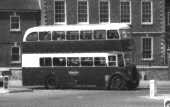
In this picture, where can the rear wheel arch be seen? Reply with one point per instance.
(51, 82)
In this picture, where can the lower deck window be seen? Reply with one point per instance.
(45, 62)
(73, 61)
(59, 61)
(87, 61)
(112, 60)
(99, 61)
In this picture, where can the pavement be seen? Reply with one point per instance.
(16, 86)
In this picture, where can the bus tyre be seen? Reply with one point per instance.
(51, 83)
(117, 83)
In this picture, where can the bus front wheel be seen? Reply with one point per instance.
(51, 83)
(117, 83)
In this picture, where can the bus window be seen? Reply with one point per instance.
(120, 60)
(87, 61)
(32, 36)
(72, 35)
(85, 35)
(58, 35)
(100, 61)
(61, 61)
(112, 60)
(45, 61)
(73, 61)
(99, 34)
(45, 35)
(112, 34)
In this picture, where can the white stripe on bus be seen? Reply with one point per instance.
(32, 60)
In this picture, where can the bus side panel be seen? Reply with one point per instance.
(37, 76)
(75, 46)
(34, 76)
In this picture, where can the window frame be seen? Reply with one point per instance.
(65, 13)
(19, 54)
(142, 49)
(87, 22)
(19, 23)
(108, 11)
(151, 22)
(130, 11)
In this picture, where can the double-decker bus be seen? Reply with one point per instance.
(79, 56)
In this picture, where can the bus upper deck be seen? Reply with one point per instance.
(77, 32)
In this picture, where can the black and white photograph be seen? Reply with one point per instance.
(84, 53)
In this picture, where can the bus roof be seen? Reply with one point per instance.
(113, 26)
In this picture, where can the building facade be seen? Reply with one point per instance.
(15, 17)
(146, 17)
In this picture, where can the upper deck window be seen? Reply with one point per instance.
(32, 36)
(58, 35)
(99, 34)
(112, 34)
(85, 35)
(100, 61)
(72, 35)
(45, 35)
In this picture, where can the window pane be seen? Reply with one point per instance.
(120, 60)
(100, 34)
(32, 36)
(85, 35)
(15, 22)
(112, 60)
(87, 61)
(45, 35)
(73, 61)
(146, 11)
(112, 34)
(82, 11)
(59, 61)
(58, 35)
(15, 57)
(104, 11)
(45, 62)
(15, 54)
(125, 12)
(42, 62)
(15, 50)
(147, 49)
(60, 11)
(100, 61)
(14, 26)
(72, 35)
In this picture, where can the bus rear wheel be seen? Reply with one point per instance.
(117, 83)
(51, 83)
